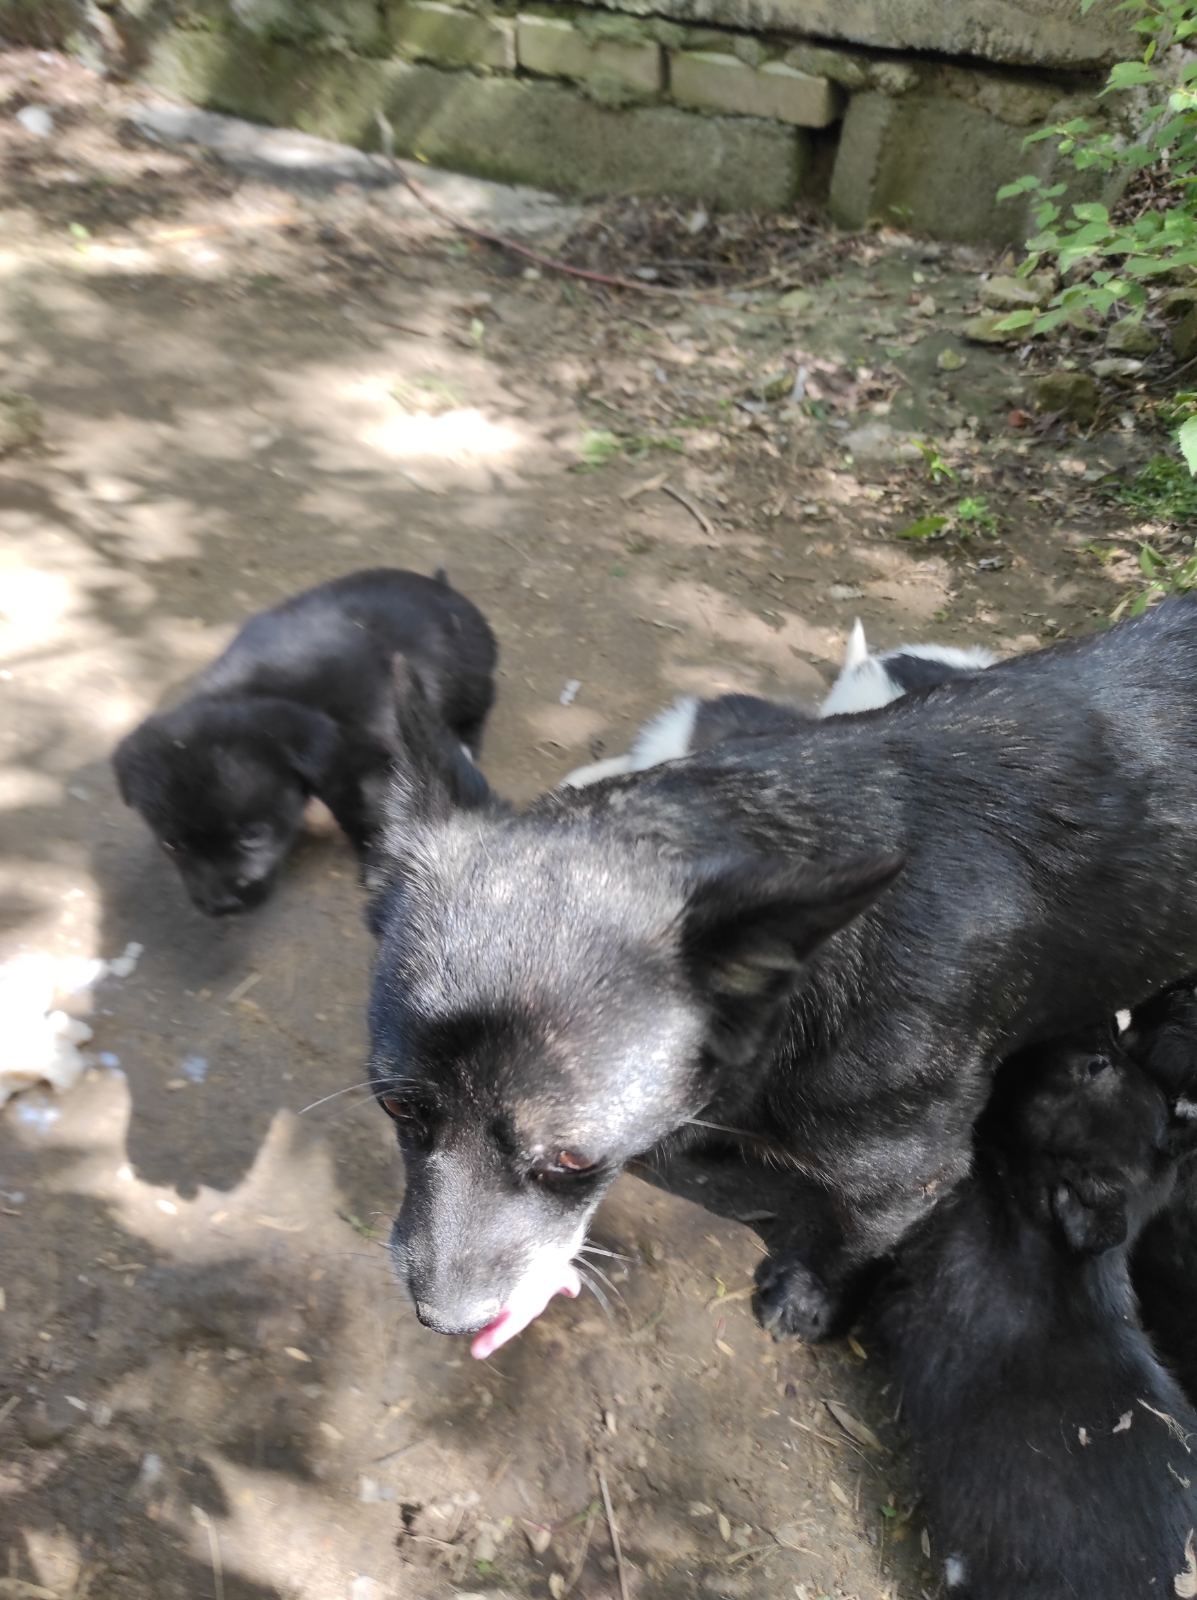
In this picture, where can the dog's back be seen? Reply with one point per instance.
(1052, 1444)
(331, 647)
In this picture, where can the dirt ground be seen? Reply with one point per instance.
(211, 1386)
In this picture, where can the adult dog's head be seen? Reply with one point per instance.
(554, 994)
(221, 784)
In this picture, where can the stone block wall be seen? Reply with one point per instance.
(732, 102)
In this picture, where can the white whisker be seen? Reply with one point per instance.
(335, 1095)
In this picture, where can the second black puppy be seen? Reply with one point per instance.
(1052, 1442)
(301, 704)
(1164, 1033)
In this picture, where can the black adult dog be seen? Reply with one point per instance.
(301, 704)
(1053, 1446)
(829, 941)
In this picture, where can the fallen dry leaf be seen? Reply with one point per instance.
(853, 1426)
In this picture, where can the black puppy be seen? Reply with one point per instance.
(1053, 1445)
(301, 704)
(828, 940)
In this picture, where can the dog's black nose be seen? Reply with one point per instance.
(222, 905)
(457, 1319)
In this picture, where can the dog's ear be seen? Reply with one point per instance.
(124, 766)
(310, 740)
(750, 923)
(134, 761)
(432, 777)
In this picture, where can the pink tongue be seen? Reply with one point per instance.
(528, 1300)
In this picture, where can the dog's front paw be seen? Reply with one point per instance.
(793, 1302)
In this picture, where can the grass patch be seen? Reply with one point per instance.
(600, 446)
(1163, 491)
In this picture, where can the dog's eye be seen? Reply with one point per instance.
(398, 1110)
(564, 1164)
(254, 838)
(169, 846)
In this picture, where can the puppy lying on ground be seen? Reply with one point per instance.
(692, 724)
(829, 941)
(1052, 1443)
(865, 682)
(301, 704)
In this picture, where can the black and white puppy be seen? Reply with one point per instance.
(830, 941)
(690, 724)
(301, 704)
(1053, 1445)
(866, 682)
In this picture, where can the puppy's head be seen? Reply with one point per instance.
(222, 786)
(1088, 1131)
(1162, 1039)
(550, 1000)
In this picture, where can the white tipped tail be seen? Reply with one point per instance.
(858, 648)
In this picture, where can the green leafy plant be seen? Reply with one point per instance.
(938, 470)
(968, 518)
(1160, 491)
(1164, 575)
(1124, 250)
(600, 446)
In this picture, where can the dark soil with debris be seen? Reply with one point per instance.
(211, 1386)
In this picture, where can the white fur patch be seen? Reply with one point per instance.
(1186, 1110)
(583, 777)
(864, 683)
(1122, 1020)
(968, 658)
(665, 737)
(861, 688)
(955, 1572)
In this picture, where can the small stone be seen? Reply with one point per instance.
(1184, 337)
(36, 120)
(878, 442)
(1005, 293)
(1130, 337)
(776, 386)
(1122, 369)
(538, 1536)
(792, 1535)
(48, 1423)
(1073, 395)
(21, 421)
(950, 360)
(796, 300)
(987, 329)
(1177, 303)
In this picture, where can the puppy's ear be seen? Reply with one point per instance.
(134, 761)
(310, 740)
(750, 923)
